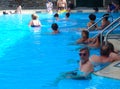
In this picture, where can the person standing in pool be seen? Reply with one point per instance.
(54, 27)
(105, 22)
(85, 67)
(34, 22)
(103, 60)
(84, 70)
(92, 18)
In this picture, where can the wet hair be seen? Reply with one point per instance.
(104, 50)
(56, 15)
(92, 17)
(86, 33)
(85, 48)
(54, 26)
(111, 47)
(34, 16)
(67, 14)
(106, 16)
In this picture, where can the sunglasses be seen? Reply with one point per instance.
(82, 54)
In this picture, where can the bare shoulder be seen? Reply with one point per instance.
(95, 58)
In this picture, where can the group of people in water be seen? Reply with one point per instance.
(87, 64)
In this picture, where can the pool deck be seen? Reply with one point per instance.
(79, 9)
(111, 71)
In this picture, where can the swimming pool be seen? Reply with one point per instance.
(30, 58)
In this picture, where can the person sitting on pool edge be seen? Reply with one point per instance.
(54, 27)
(34, 22)
(84, 70)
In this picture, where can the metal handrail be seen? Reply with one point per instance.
(101, 33)
(99, 21)
(106, 36)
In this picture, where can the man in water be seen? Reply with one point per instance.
(83, 72)
(85, 66)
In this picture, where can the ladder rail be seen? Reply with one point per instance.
(101, 33)
(106, 36)
(99, 21)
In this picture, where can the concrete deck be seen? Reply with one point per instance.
(111, 71)
(116, 43)
(79, 9)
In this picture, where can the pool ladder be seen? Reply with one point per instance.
(115, 24)
(99, 21)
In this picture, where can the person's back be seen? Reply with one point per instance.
(34, 22)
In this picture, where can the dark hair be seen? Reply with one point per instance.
(106, 16)
(86, 33)
(104, 50)
(92, 17)
(96, 9)
(67, 14)
(4, 12)
(85, 48)
(56, 15)
(111, 47)
(54, 26)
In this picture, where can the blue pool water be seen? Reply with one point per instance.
(31, 58)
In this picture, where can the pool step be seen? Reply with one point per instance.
(111, 71)
(114, 36)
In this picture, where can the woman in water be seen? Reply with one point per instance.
(34, 22)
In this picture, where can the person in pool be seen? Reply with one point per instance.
(56, 16)
(67, 15)
(85, 67)
(103, 60)
(84, 70)
(105, 22)
(85, 37)
(113, 53)
(34, 22)
(92, 19)
(54, 27)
